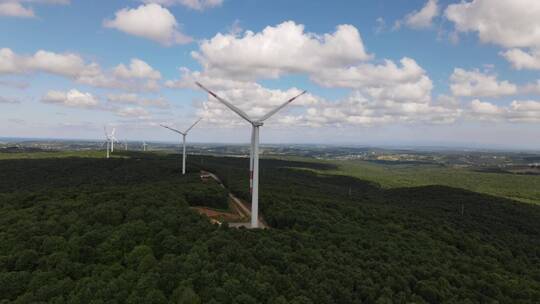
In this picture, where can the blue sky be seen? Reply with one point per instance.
(397, 73)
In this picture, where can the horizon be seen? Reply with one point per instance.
(410, 147)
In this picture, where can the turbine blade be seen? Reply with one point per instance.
(274, 111)
(174, 130)
(113, 131)
(193, 125)
(226, 103)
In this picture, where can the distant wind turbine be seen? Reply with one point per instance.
(110, 139)
(144, 146)
(184, 134)
(254, 153)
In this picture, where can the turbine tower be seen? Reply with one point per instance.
(184, 134)
(110, 139)
(254, 153)
(144, 146)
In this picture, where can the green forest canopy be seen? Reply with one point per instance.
(90, 230)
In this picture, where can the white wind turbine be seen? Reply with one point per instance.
(144, 145)
(254, 153)
(184, 134)
(110, 139)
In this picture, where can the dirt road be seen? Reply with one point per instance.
(241, 206)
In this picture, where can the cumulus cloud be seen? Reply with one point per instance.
(511, 24)
(150, 21)
(359, 109)
(134, 99)
(136, 69)
(519, 111)
(531, 88)
(188, 79)
(193, 4)
(71, 98)
(422, 18)
(382, 92)
(485, 108)
(21, 85)
(407, 82)
(477, 84)
(277, 50)
(138, 76)
(522, 59)
(9, 100)
(15, 9)
(507, 23)
(19, 8)
(133, 112)
(66, 64)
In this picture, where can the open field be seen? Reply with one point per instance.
(525, 188)
(521, 187)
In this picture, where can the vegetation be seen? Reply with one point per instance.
(525, 188)
(90, 230)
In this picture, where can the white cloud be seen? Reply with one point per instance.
(8, 62)
(477, 84)
(71, 98)
(9, 100)
(357, 109)
(386, 92)
(193, 4)
(138, 76)
(507, 23)
(70, 65)
(381, 25)
(15, 9)
(137, 69)
(511, 24)
(385, 81)
(279, 50)
(21, 85)
(150, 21)
(485, 108)
(422, 18)
(188, 79)
(67, 64)
(133, 112)
(519, 111)
(523, 60)
(531, 88)
(134, 99)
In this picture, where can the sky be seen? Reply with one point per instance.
(391, 72)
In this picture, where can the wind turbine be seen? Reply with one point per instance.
(144, 146)
(184, 134)
(254, 153)
(110, 139)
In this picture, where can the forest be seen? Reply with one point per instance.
(120, 230)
